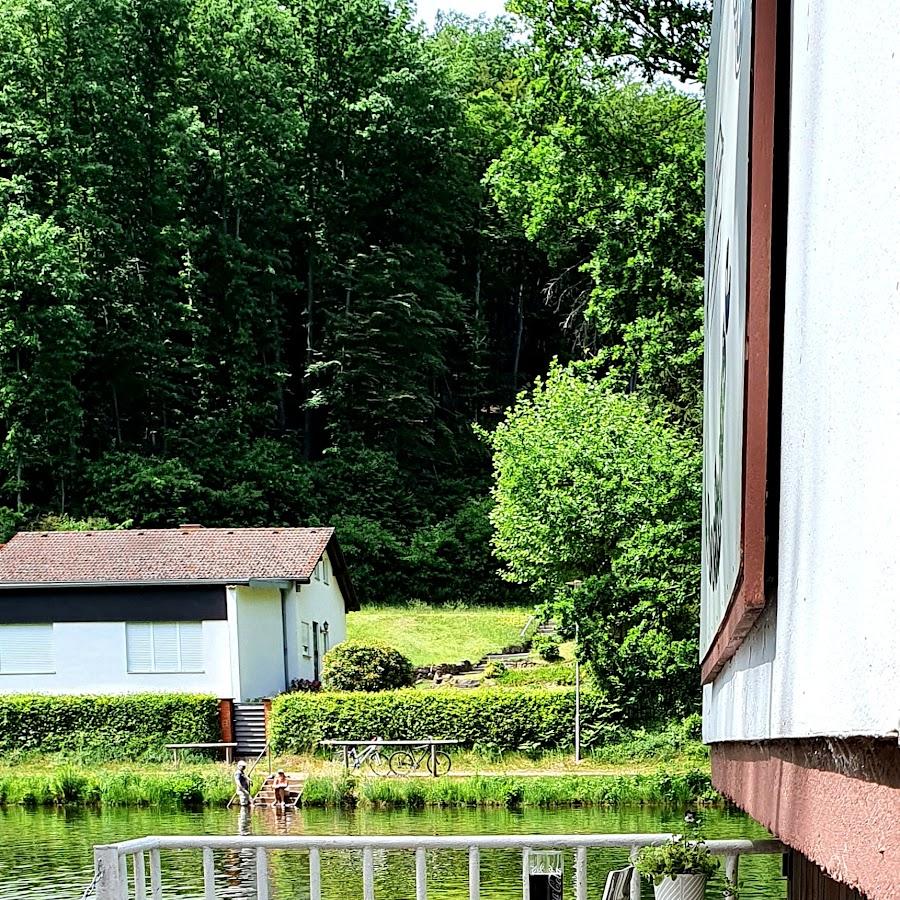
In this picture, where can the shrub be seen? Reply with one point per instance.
(494, 669)
(112, 727)
(562, 673)
(546, 647)
(353, 666)
(501, 717)
(304, 686)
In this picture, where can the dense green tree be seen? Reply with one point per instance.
(43, 331)
(594, 486)
(611, 187)
(597, 470)
(653, 37)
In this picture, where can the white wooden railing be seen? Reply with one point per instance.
(121, 870)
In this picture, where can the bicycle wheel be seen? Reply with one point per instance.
(441, 763)
(380, 765)
(402, 762)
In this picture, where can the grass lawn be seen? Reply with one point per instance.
(428, 634)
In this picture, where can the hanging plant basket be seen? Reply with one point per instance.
(680, 887)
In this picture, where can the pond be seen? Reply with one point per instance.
(47, 854)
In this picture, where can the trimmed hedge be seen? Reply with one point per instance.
(501, 718)
(115, 727)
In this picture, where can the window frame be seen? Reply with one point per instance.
(305, 639)
(757, 579)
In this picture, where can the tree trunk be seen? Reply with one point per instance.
(310, 305)
(115, 399)
(281, 414)
(520, 327)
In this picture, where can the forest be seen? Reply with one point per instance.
(291, 262)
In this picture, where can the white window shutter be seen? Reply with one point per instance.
(190, 642)
(26, 650)
(165, 647)
(139, 641)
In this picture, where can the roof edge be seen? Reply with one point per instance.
(342, 573)
(167, 582)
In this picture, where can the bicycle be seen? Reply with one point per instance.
(402, 762)
(371, 756)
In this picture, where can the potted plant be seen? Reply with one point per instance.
(679, 868)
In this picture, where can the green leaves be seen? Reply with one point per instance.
(503, 718)
(125, 727)
(43, 328)
(353, 666)
(591, 485)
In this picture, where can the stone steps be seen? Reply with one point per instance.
(266, 794)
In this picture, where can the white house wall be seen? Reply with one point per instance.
(256, 615)
(314, 602)
(91, 658)
(827, 660)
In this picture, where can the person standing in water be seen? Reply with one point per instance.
(242, 783)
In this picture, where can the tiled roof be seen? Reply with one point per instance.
(145, 556)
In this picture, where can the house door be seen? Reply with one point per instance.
(315, 650)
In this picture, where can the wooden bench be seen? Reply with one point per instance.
(227, 746)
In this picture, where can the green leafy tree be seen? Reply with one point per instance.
(593, 486)
(42, 335)
(612, 189)
(654, 37)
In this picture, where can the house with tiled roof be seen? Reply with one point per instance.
(234, 612)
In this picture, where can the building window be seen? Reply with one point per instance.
(306, 638)
(164, 646)
(326, 570)
(318, 571)
(26, 650)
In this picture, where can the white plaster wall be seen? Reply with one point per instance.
(322, 602)
(297, 665)
(90, 658)
(258, 630)
(827, 662)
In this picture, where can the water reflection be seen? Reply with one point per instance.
(46, 854)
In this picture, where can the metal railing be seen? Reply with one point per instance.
(122, 869)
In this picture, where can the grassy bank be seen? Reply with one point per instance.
(429, 634)
(665, 766)
(59, 784)
(195, 786)
(657, 788)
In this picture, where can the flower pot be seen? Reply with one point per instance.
(681, 887)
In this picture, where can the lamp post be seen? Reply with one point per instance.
(575, 585)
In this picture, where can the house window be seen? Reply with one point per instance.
(306, 638)
(26, 650)
(164, 646)
(318, 572)
(326, 570)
